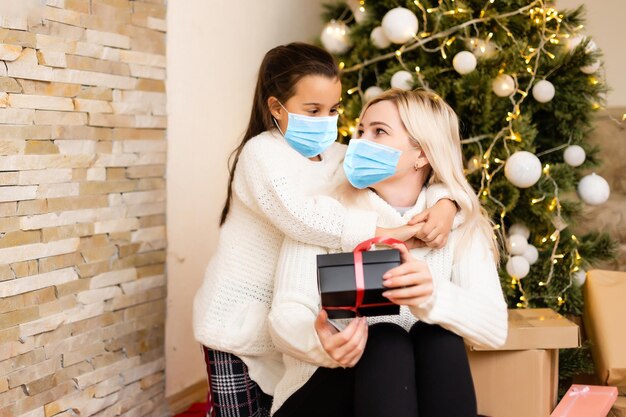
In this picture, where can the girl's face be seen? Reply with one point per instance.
(381, 123)
(316, 96)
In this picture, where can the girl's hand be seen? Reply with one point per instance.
(346, 346)
(411, 283)
(403, 233)
(436, 223)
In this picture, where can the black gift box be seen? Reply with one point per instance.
(337, 284)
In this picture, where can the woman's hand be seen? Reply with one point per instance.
(436, 223)
(346, 346)
(409, 284)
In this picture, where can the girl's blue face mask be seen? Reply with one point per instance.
(367, 163)
(310, 136)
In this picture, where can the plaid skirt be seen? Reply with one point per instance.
(231, 391)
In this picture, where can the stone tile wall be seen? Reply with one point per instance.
(82, 208)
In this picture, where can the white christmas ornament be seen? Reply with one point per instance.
(574, 155)
(379, 39)
(503, 85)
(573, 42)
(335, 37)
(517, 267)
(402, 80)
(593, 189)
(531, 254)
(579, 277)
(373, 92)
(523, 169)
(591, 68)
(464, 62)
(516, 244)
(543, 91)
(482, 48)
(400, 25)
(519, 229)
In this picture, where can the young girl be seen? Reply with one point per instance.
(454, 291)
(279, 175)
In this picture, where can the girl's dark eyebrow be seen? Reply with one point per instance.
(319, 104)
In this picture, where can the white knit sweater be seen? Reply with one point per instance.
(467, 299)
(276, 193)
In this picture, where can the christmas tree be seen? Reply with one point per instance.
(525, 82)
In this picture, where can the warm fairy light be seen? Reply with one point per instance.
(544, 240)
(561, 301)
(398, 53)
(595, 106)
(546, 169)
(541, 283)
(352, 90)
(593, 80)
(342, 65)
(417, 69)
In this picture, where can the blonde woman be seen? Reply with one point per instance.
(413, 364)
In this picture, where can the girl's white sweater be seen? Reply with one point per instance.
(467, 299)
(276, 193)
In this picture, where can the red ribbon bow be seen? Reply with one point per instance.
(358, 272)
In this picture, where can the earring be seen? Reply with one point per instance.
(416, 166)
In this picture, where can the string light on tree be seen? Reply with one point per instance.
(593, 189)
(543, 91)
(574, 155)
(379, 39)
(523, 169)
(335, 37)
(372, 92)
(400, 25)
(503, 85)
(517, 267)
(402, 80)
(464, 62)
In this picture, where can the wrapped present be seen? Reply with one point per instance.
(351, 284)
(605, 311)
(520, 379)
(586, 401)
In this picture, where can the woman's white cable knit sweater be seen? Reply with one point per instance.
(467, 299)
(276, 193)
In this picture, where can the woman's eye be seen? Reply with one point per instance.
(379, 131)
(359, 133)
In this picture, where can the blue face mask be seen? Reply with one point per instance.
(367, 163)
(310, 136)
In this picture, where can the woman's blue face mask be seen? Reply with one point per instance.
(310, 136)
(367, 163)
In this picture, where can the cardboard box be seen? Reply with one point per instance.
(586, 401)
(539, 328)
(605, 313)
(521, 378)
(619, 408)
(337, 283)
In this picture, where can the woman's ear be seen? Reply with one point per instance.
(275, 108)
(421, 160)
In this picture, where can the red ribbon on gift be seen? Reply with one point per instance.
(359, 276)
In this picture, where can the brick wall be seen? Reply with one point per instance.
(82, 209)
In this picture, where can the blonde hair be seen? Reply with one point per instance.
(434, 127)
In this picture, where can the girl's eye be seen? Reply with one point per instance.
(314, 111)
(359, 133)
(379, 131)
(333, 111)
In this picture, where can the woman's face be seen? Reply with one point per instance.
(381, 123)
(316, 96)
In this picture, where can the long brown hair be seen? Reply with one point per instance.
(280, 71)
